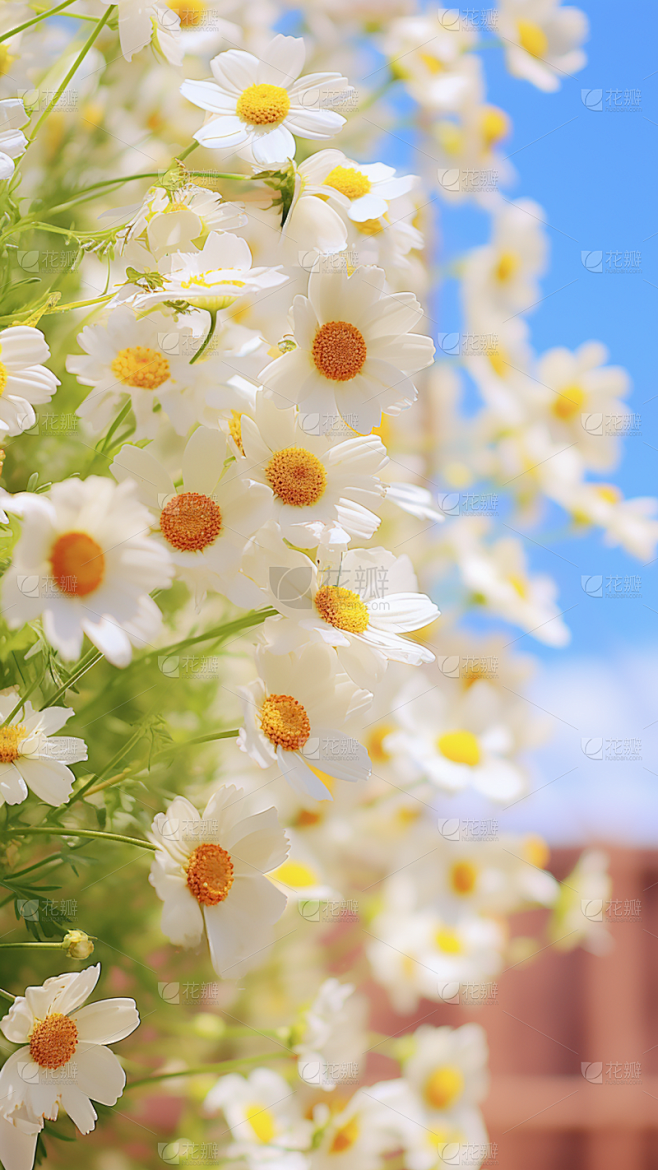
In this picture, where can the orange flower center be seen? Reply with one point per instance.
(209, 874)
(342, 608)
(296, 476)
(263, 105)
(141, 367)
(285, 722)
(53, 1041)
(339, 351)
(10, 738)
(190, 521)
(78, 563)
(463, 877)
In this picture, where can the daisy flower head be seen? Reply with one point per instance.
(32, 756)
(179, 220)
(264, 1117)
(361, 603)
(24, 381)
(203, 26)
(294, 712)
(542, 40)
(209, 871)
(145, 358)
(260, 103)
(12, 140)
(85, 563)
(64, 1059)
(146, 22)
(459, 743)
(207, 523)
(212, 278)
(322, 492)
(448, 1066)
(354, 350)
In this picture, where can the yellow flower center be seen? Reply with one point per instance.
(78, 563)
(519, 585)
(339, 351)
(460, 746)
(296, 476)
(494, 125)
(448, 941)
(608, 492)
(342, 608)
(370, 227)
(535, 850)
(190, 521)
(190, 11)
(209, 874)
(451, 138)
(235, 429)
(345, 1137)
(261, 1121)
(532, 38)
(53, 1041)
(6, 59)
(293, 873)
(350, 182)
(432, 64)
(569, 402)
(140, 366)
(4, 374)
(263, 105)
(498, 362)
(444, 1086)
(306, 818)
(463, 876)
(375, 743)
(10, 738)
(508, 263)
(285, 722)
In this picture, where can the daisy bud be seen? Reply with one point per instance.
(77, 944)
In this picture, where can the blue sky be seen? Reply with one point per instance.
(594, 172)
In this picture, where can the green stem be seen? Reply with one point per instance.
(22, 702)
(188, 150)
(254, 618)
(93, 36)
(7, 995)
(34, 945)
(175, 747)
(94, 834)
(90, 659)
(221, 1067)
(36, 19)
(208, 337)
(222, 175)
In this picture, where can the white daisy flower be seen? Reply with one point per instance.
(24, 381)
(261, 1111)
(542, 40)
(65, 1059)
(429, 53)
(575, 920)
(32, 756)
(500, 279)
(631, 524)
(354, 350)
(367, 187)
(146, 358)
(146, 21)
(293, 715)
(12, 140)
(210, 279)
(360, 1135)
(177, 221)
(459, 742)
(330, 1035)
(203, 27)
(261, 103)
(360, 603)
(209, 871)
(577, 394)
(85, 563)
(207, 523)
(323, 493)
(448, 1066)
(313, 227)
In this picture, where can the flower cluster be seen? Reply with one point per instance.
(256, 494)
